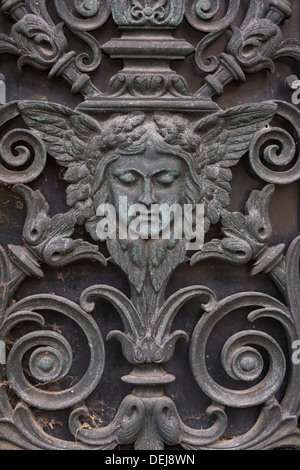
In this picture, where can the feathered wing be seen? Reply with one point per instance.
(65, 132)
(225, 138)
(66, 135)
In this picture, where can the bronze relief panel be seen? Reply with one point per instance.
(124, 157)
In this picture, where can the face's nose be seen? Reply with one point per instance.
(147, 197)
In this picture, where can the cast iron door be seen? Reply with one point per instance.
(149, 258)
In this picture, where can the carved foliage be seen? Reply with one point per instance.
(148, 12)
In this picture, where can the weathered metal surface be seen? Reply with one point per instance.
(152, 140)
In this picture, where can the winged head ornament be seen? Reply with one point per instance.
(151, 158)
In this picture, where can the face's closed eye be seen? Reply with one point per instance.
(166, 178)
(127, 177)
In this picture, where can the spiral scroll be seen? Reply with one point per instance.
(17, 149)
(50, 354)
(22, 152)
(93, 15)
(274, 149)
(240, 357)
(199, 14)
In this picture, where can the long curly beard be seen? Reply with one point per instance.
(147, 259)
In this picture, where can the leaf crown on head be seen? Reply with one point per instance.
(85, 147)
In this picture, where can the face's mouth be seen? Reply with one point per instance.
(149, 225)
